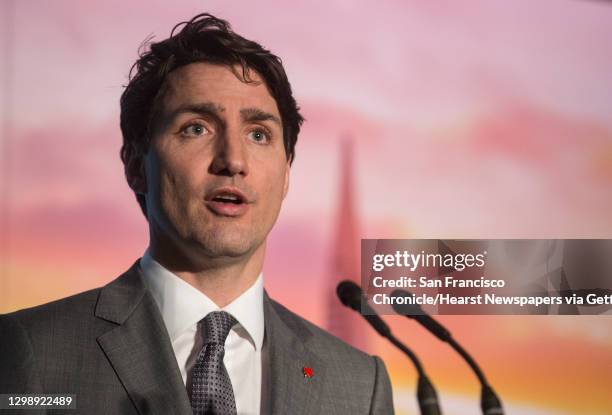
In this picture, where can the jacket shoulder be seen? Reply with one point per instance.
(55, 328)
(77, 306)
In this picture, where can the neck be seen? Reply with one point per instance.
(220, 279)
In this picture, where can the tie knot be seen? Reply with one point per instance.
(217, 326)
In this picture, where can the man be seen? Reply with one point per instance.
(209, 126)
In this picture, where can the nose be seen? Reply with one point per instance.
(230, 156)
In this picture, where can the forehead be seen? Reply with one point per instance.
(205, 82)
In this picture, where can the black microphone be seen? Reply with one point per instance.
(489, 401)
(351, 296)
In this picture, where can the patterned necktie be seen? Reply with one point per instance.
(211, 387)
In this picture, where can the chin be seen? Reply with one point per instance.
(230, 250)
(226, 244)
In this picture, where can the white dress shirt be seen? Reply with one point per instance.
(182, 306)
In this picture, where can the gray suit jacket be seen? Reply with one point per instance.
(110, 347)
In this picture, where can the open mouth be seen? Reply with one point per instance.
(228, 201)
(228, 198)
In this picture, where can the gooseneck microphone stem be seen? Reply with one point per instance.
(407, 352)
(351, 296)
(489, 401)
(470, 361)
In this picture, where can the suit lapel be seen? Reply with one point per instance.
(139, 347)
(291, 392)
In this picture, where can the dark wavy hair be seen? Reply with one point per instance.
(205, 38)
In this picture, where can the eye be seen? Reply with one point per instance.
(194, 130)
(259, 136)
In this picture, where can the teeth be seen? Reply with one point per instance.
(227, 196)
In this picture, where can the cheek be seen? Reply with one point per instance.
(178, 183)
(274, 186)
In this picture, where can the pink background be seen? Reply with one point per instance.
(475, 119)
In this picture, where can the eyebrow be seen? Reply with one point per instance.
(250, 114)
(255, 114)
(204, 108)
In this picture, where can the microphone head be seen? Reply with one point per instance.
(409, 310)
(349, 294)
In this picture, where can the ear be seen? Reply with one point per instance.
(135, 173)
(286, 184)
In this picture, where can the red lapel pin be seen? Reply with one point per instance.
(308, 373)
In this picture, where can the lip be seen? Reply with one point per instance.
(227, 208)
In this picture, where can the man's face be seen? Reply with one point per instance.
(216, 169)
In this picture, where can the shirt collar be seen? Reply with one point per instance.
(182, 305)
